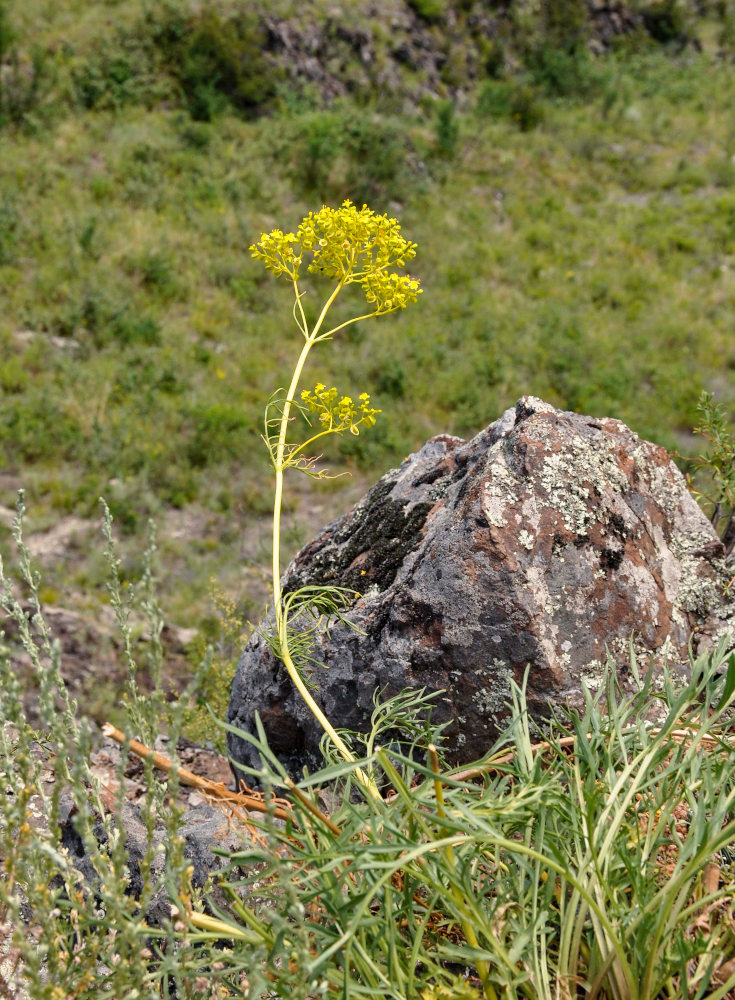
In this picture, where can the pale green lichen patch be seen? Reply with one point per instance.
(571, 480)
(491, 701)
(666, 483)
(571, 477)
(526, 539)
(697, 594)
(499, 494)
(683, 544)
(591, 675)
(666, 652)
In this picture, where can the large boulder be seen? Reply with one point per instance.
(551, 541)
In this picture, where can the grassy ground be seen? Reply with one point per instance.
(582, 250)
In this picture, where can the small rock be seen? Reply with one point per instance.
(206, 826)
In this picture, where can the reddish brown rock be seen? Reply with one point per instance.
(549, 540)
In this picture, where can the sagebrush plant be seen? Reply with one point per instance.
(70, 931)
(346, 246)
(222, 645)
(716, 467)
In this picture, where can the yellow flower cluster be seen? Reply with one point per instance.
(390, 291)
(348, 245)
(348, 242)
(338, 413)
(278, 251)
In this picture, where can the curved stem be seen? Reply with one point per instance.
(347, 322)
(280, 448)
(302, 325)
(368, 785)
(278, 493)
(330, 430)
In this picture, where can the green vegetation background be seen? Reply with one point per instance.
(575, 217)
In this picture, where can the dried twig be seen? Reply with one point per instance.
(677, 735)
(252, 803)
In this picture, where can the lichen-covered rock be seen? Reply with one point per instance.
(549, 540)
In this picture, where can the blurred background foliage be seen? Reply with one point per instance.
(567, 169)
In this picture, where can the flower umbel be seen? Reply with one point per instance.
(278, 252)
(349, 245)
(339, 413)
(390, 291)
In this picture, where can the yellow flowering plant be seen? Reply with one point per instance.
(347, 246)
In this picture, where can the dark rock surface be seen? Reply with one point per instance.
(206, 826)
(547, 540)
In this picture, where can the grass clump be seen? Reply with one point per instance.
(26, 77)
(515, 100)
(666, 21)
(346, 152)
(431, 11)
(594, 858)
(217, 61)
(597, 862)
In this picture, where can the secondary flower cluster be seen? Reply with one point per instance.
(279, 252)
(390, 291)
(348, 245)
(338, 413)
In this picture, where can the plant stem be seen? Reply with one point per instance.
(311, 337)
